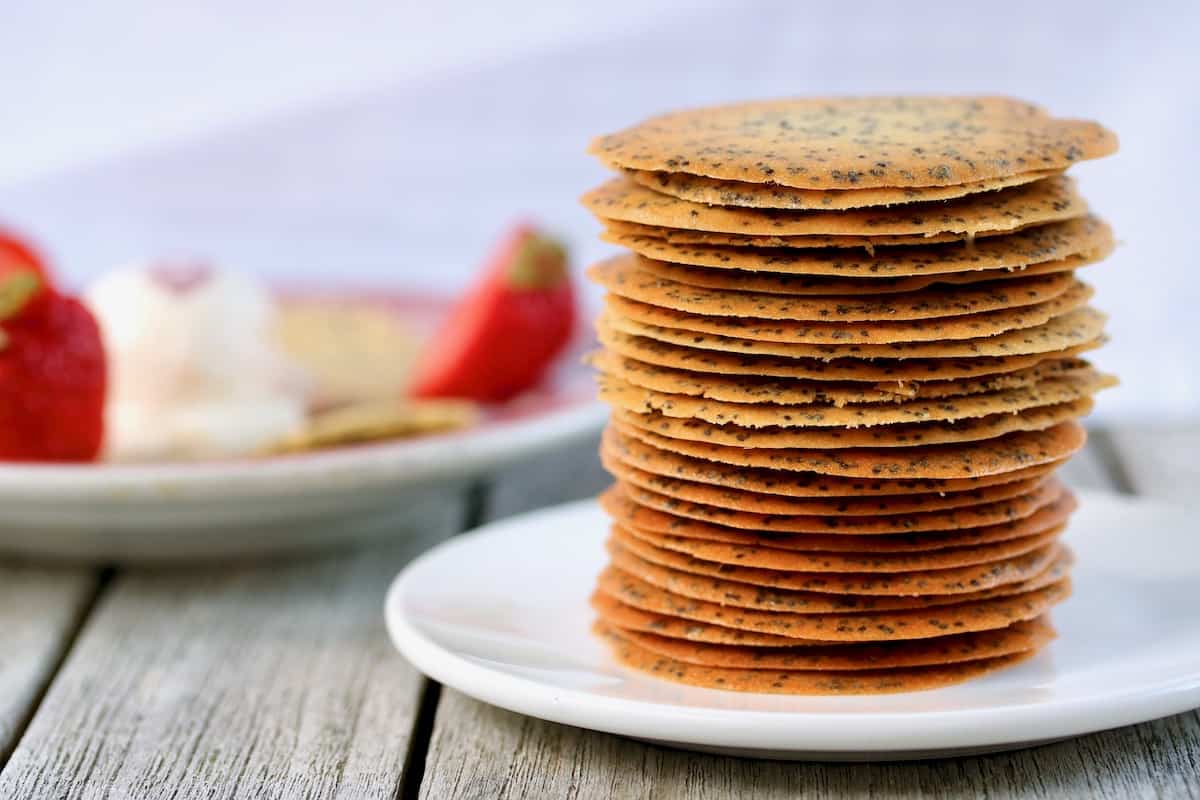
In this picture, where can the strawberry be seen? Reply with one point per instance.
(500, 338)
(52, 374)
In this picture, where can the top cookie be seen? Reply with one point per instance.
(859, 142)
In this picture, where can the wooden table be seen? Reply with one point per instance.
(279, 681)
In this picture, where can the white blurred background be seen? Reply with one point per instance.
(390, 142)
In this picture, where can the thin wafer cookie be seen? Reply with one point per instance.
(819, 143)
(891, 375)
(632, 516)
(790, 483)
(626, 616)
(644, 509)
(802, 414)
(1049, 200)
(744, 595)
(712, 191)
(766, 389)
(900, 435)
(1020, 637)
(973, 615)
(773, 503)
(624, 276)
(633, 519)
(811, 682)
(953, 580)
(1069, 330)
(934, 329)
(783, 560)
(1003, 454)
(792, 284)
(1088, 237)
(865, 243)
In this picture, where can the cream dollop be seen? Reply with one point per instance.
(195, 370)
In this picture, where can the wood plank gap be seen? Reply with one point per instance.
(78, 622)
(418, 748)
(475, 511)
(1100, 440)
(477, 503)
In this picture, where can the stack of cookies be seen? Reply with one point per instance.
(845, 359)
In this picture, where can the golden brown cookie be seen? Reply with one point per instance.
(352, 352)
(803, 414)
(743, 500)
(901, 331)
(973, 615)
(900, 436)
(626, 277)
(744, 388)
(632, 516)
(787, 483)
(895, 376)
(744, 595)
(792, 284)
(801, 682)
(868, 244)
(781, 560)
(714, 192)
(755, 389)
(642, 509)
(955, 580)
(1048, 200)
(1002, 454)
(1087, 237)
(1017, 638)
(1069, 330)
(625, 616)
(377, 421)
(857, 142)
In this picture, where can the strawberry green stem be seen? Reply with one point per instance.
(16, 290)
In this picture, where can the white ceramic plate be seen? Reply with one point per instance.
(501, 614)
(285, 504)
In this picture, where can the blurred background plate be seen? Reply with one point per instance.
(182, 511)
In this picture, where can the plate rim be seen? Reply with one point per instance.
(461, 454)
(875, 733)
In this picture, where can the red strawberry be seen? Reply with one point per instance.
(506, 331)
(52, 374)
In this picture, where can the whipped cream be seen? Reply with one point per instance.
(195, 371)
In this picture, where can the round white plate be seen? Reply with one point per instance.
(501, 614)
(285, 504)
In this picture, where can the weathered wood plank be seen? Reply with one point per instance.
(269, 681)
(480, 751)
(1161, 462)
(490, 753)
(40, 610)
